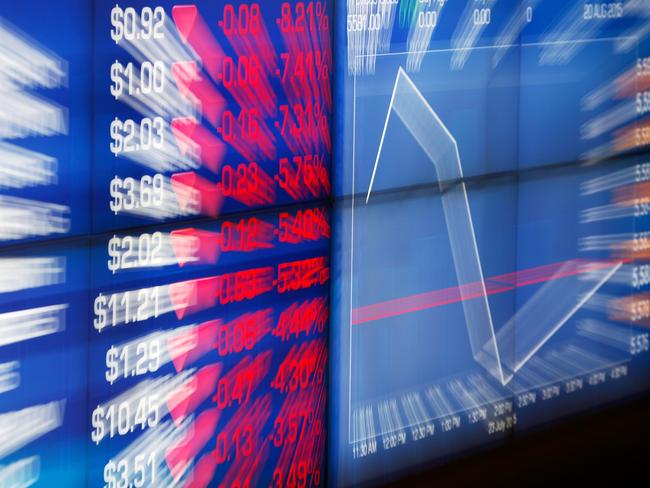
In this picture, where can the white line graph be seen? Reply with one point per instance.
(541, 321)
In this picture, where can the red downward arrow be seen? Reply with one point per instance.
(195, 32)
(190, 395)
(196, 194)
(193, 246)
(203, 472)
(192, 296)
(192, 343)
(198, 435)
(189, 133)
(195, 88)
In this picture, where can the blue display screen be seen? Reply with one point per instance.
(298, 243)
(488, 211)
(164, 260)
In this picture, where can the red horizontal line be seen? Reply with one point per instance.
(496, 284)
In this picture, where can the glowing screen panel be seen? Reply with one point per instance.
(297, 243)
(164, 246)
(488, 223)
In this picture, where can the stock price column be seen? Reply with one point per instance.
(210, 267)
